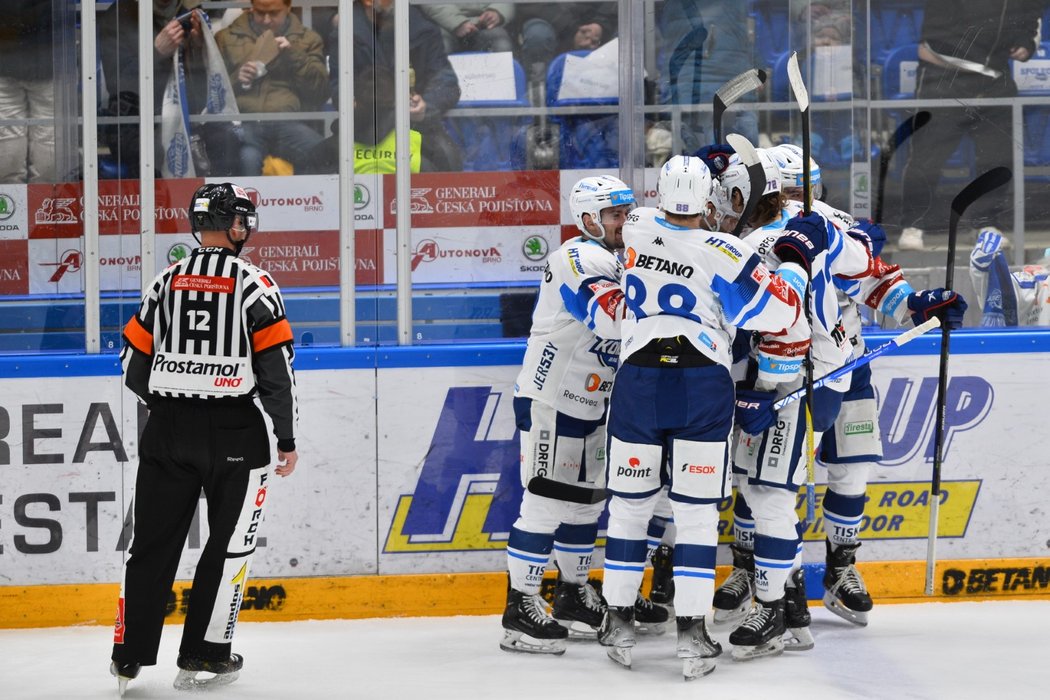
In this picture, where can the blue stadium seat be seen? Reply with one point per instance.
(894, 23)
(486, 142)
(771, 30)
(586, 141)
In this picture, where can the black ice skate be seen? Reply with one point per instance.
(617, 633)
(796, 614)
(649, 618)
(733, 598)
(662, 591)
(124, 673)
(695, 646)
(527, 627)
(844, 591)
(579, 609)
(761, 631)
(224, 672)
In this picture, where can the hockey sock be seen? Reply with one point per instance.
(573, 550)
(624, 565)
(773, 560)
(842, 518)
(694, 578)
(527, 557)
(654, 535)
(796, 563)
(743, 523)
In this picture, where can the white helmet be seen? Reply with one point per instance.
(735, 177)
(789, 160)
(684, 186)
(593, 194)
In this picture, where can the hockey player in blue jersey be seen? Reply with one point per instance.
(671, 412)
(560, 402)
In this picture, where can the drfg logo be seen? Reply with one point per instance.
(906, 415)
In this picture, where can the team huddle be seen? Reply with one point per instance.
(712, 330)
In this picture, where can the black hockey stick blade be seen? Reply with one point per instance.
(981, 185)
(561, 491)
(730, 92)
(756, 176)
(903, 132)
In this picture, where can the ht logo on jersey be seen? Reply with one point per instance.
(608, 352)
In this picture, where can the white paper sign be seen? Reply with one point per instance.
(485, 77)
(594, 76)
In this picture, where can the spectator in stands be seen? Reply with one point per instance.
(964, 53)
(434, 87)
(473, 26)
(173, 29)
(548, 29)
(27, 91)
(276, 66)
(703, 43)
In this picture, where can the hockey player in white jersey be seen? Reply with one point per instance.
(560, 402)
(1019, 298)
(671, 412)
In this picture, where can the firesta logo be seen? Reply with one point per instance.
(70, 262)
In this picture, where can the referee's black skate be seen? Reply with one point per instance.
(579, 609)
(733, 598)
(650, 618)
(224, 672)
(124, 672)
(617, 633)
(844, 591)
(662, 591)
(761, 632)
(527, 627)
(695, 646)
(796, 614)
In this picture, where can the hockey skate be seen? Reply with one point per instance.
(796, 614)
(649, 618)
(224, 672)
(662, 591)
(761, 632)
(617, 634)
(733, 598)
(579, 609)
(528, 628)
(695, 647)
(124, 673)
(844, 591)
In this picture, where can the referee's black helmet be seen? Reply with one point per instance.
(214, 207)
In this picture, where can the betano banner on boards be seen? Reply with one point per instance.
(425, 480)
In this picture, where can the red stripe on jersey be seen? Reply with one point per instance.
(202, 283)
(775, 347)
(267, 281)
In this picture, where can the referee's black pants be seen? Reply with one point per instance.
(222, 447)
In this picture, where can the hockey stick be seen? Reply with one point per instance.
(730, 92)
(756, 175)
(798, 88)
(864, 359)
(982, 185)
(904, 131)
(561, 491)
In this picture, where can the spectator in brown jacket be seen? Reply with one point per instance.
(276, 65)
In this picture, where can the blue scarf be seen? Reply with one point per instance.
(1000, 303)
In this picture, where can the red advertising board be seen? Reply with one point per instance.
(527, 198)
(311, 258)
(14, 267)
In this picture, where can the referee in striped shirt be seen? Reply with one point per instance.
(209, 336)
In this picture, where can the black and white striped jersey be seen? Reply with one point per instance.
(213, 326)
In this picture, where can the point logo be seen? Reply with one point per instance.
(178, 252)
(7, 206)
(535, 248)
(70, 261)
(634, 462)
(362, 197)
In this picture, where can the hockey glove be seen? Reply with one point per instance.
(942, 303)
(989, 243)
(804, 238)
(754, 410)
(716, 157)
(869, 233)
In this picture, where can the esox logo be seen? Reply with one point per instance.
(907, 414)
